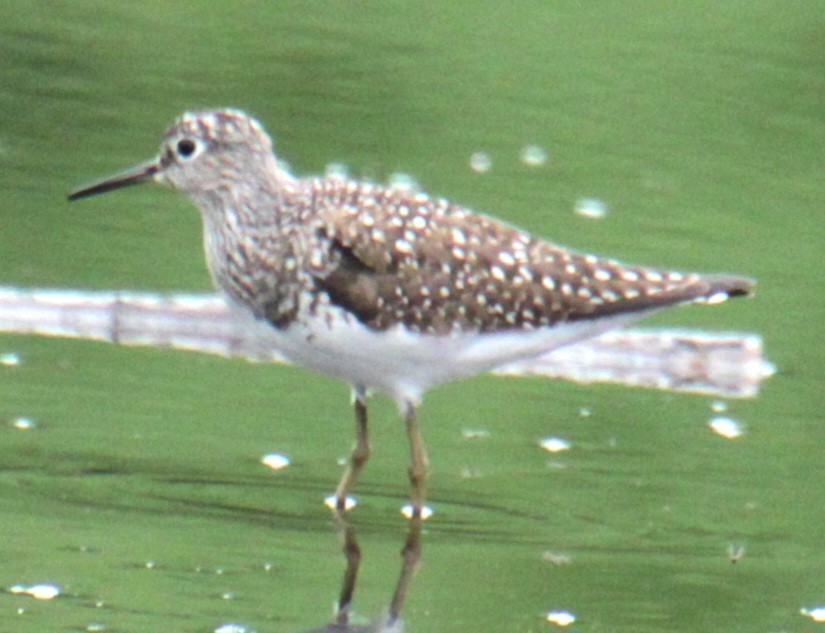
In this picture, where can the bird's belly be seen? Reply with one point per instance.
(404, 364)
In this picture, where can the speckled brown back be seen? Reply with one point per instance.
(394, 256)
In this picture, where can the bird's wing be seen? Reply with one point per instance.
(390, 256)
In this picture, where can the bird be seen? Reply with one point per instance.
(388, 288)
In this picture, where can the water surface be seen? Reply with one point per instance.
(140, 491)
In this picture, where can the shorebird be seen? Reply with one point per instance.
(388, 288)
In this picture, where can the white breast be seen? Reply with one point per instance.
(404, 364)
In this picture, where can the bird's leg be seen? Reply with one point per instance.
(411, 552)
(352, 551)
(418, 460)
(360, 452)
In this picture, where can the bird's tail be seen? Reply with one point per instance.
(718, 288)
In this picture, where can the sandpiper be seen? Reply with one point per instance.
(388, 288)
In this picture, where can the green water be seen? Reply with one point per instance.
(700, 124)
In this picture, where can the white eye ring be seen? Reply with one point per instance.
(187, 148)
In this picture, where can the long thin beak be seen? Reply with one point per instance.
(132, 176)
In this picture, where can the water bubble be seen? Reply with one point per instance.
(9, 359)
(726, 427)
(562, 618)
(233, 627)
(275, 461)
(24, 424)
(533, 155)
(718, 406)
(41, 591)
(44, 591)
(557, 558)
(426, 511)
(554, 444)
(480, 162)
(817, 614)
(590, 208)
(332, 502)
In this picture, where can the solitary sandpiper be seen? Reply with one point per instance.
(388, 288)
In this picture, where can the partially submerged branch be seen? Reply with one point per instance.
(726, 364)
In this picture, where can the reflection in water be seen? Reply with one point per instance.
(736, 552)
(391, 621)
(410, 553)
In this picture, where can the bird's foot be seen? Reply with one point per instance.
(343, 625)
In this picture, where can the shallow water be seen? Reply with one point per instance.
(139, 490)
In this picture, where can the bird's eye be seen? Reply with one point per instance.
(186, 147)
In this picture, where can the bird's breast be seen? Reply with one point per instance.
(255, 267)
